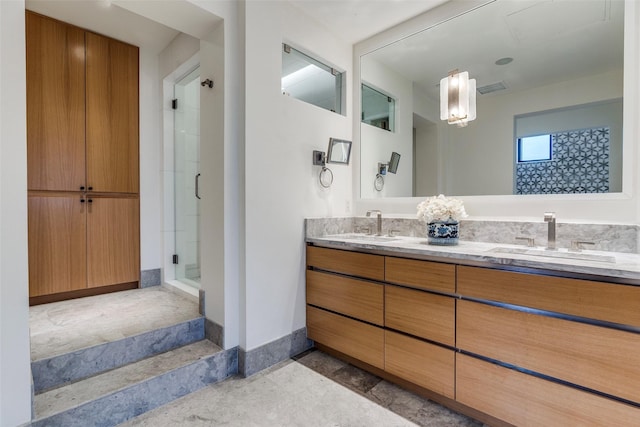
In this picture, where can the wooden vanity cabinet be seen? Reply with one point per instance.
(573, 347)
(420, 323)
(406, 332)
(82, 161)
(505, 347)
(345, 311)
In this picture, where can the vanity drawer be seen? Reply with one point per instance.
(351, 337)
(419, 313)
(527, 401)
(421, 363)
(351, 297)
(597, 300)
(421, 274)
(595, 357)
(352, 263)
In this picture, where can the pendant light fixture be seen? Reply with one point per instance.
(458, 98)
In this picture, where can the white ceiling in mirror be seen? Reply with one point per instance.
(547, 40)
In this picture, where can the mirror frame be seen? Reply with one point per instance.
(621, 207)
(334, 142)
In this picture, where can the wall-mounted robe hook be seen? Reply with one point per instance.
(207, 82)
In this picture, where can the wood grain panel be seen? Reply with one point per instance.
(55, 104)
(113, 241)
(355, 298)
(592, 356)
(353, 263)
(421, 314)
(112, 115)
(527, 401)
(424, 364)
(351, 337)
(421, 274)
(57, 249)
(596, 300)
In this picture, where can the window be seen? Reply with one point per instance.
(534, 148)
(378, 109)
(311, 81)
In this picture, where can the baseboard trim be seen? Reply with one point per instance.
(258, 359)
(81, 293)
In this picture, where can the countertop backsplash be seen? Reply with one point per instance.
(621, 238)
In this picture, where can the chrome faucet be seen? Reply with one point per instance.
(550, 219)
(379, 227)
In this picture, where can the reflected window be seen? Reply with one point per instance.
(378, 109)
(534, 148)
(311, 81)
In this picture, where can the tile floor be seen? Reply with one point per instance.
(313, 390)
(66, 326)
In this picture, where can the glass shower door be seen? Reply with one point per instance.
(187, 174)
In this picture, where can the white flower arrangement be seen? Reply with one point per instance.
(440, 208)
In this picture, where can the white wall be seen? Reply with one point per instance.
(15, 370)
(150, 158)
(282, 190)
(610, 208)
(381, 143)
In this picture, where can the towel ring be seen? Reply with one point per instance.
(378, 183)
(325, 177)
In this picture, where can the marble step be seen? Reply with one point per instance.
(52, 372)
(113, 397)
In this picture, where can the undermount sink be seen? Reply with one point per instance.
(541, 252)
(366, 237)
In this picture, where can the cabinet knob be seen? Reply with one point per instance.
(90, 200)
(82, 188)
(81, 200)
(90, 188)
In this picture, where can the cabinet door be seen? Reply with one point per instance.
(112, 115)
(528, 401)
(113, 241)
(57, 249)
(422, 363)
(55, 104)
(591, 356)
(352, 263)
(422, 314)
(356, 339)
(352, 297)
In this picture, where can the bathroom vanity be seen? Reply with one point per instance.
(506, 337)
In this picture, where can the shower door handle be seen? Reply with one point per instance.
(198, 186)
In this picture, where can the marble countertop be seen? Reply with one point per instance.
(607, 264)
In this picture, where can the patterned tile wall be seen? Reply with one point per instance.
(580, 164)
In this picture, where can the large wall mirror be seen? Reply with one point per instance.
(549, 78)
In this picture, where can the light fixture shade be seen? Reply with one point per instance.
(458, 98)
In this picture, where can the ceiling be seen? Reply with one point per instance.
(357, 20)
(350, 20)
(105, 18)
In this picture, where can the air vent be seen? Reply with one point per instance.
(491, 88)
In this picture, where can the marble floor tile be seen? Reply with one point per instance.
(289, 395)
(418, 409)
(355, 379)
(67, 326)
(305, 391)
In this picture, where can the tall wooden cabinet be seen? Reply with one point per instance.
(83, 161)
